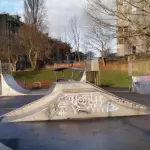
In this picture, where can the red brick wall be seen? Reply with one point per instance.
(77, 64)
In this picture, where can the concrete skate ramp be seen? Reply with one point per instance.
(141, 84)
(10, 86)
(75, 100)
(83, 77)
(3, 147)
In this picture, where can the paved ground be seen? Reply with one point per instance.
(123, 92)
(10, 103)
(131, 133)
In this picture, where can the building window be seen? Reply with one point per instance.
(124, 3)
(120, 29)
(134, 9)
(133, 49)
(120, 2)
(125, 29)
(120, 41)
(125, 8)
(126, 41)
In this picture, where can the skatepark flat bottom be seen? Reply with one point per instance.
(8, 104)
(124, 93)
(129, 133)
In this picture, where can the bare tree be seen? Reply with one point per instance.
(35, 13)
(3, 48)
(33, 40)
(34, 43)
(89, 55)
(75, 35)
(130, 15)
(10, 48)
(64, 34)
(98, 41)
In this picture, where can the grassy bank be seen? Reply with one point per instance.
(115, 78)
(43, 75)
(108, 77)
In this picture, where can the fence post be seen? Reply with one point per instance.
(25, 83)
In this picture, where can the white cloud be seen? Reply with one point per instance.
(60, 12)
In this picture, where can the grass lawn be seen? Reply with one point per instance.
(43, 75)
(115, 78)
(108, 77)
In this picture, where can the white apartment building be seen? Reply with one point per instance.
(133, 24)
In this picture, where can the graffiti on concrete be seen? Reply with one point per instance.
(58, 108)
(130, 104)
(78, 103)
(109, 107)
(83, 102)
(141, 78)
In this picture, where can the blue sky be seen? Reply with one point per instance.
(11, 6)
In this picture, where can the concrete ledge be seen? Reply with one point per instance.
(3, 147)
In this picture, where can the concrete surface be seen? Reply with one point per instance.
(125, 93)
(129, 133)
(83, 77)
(8, 104)
(75, 100)
(141, 84)
(3, 147)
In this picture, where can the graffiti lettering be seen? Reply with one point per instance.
(140, 78)
(75, 103)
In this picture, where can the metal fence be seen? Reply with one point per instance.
(6, 68)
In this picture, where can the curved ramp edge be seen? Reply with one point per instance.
(82, 101)
(141, 84)
(83, 77)
(10, 86)
(3, 147)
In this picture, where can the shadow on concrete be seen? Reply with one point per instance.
(145, 131)
(11, 143)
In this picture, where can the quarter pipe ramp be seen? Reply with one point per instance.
(9, 87)
(141, 84)
(75, 100)
(3, 147)
(83, 77)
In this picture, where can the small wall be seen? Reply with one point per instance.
(45, 84)
(116, 66)
(139, 66)
(142, 67)
(76, 64)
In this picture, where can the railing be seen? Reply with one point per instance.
(6, 68)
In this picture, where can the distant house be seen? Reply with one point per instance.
(74, 56)
(57, 51)
(9, 34)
